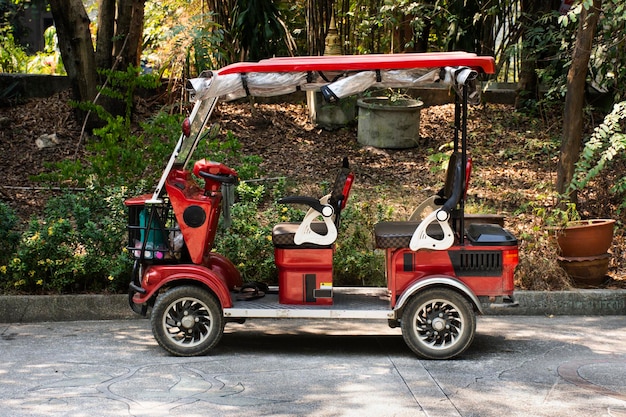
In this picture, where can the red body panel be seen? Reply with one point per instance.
(405, 267)
(305, 276)
(185, 193)
(138, 201)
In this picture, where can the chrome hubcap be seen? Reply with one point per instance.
(439, 324)
(187, 322)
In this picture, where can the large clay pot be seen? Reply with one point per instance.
(586, 238)
(383, 123)
(586, 272)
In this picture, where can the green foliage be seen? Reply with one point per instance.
(248, 241)
(550, 41)
(257, 25)
(555, 216)
(74, 247)
(438, 161)
(49, 60)
(228, 151)
(606, 145)
(356, 261)
(122, 86)
(13, 58)
(608, 60)
(180, 38)
(8, 235)
(119, 155)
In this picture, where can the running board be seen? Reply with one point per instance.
(348, 303)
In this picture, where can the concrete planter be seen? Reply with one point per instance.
(330, 116)
(386, 124)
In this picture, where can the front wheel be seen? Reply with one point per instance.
(438, 323)
(187, 321)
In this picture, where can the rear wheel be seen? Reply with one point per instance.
(187, 321)
(438, 323)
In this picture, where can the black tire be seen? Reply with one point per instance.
(187, 321)
(438, 323)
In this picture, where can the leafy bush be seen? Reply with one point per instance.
(118, 154)
(228, 151)
(356, 261)
(606, 145)
(182, 38)
(248, 240)
(8, 236)
(75, 246)
(13, 58)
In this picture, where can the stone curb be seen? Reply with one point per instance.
(51, 308)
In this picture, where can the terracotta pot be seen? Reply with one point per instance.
(585, 238)
(586, 272)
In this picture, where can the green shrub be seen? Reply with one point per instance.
(606, 146)
(13, 58)
(248, 240)
(9, 237)
(118, 154)
(76, 246)
(356, 261)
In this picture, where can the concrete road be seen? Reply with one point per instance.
(517, 366)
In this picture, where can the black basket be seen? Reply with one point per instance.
(153, 234)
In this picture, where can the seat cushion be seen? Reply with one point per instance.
(399, 234)
(284, 233)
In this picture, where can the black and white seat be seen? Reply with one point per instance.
(313, 232)
(429, 225)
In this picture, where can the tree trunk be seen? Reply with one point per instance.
(130, 14)
(317, 20)
(574, 98)
(72, 24)
(106, 31)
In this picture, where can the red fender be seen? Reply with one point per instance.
(158, 276)
(221, 265)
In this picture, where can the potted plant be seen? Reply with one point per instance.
(389, 121)
(584, 244)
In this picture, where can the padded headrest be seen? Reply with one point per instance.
(448, 188)
(342, 181)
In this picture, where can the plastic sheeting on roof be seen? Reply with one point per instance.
(267, 84)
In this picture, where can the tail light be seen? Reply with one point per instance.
(510, 259)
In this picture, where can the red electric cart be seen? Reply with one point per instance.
(442, 268)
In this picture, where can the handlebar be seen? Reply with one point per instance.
(221, 178)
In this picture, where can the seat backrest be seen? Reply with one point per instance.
(341, 189)
(448, 188)
(454, 186)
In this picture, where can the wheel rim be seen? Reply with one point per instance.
(187, 322)
(439, 324)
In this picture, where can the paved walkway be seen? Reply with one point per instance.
(517, 366)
